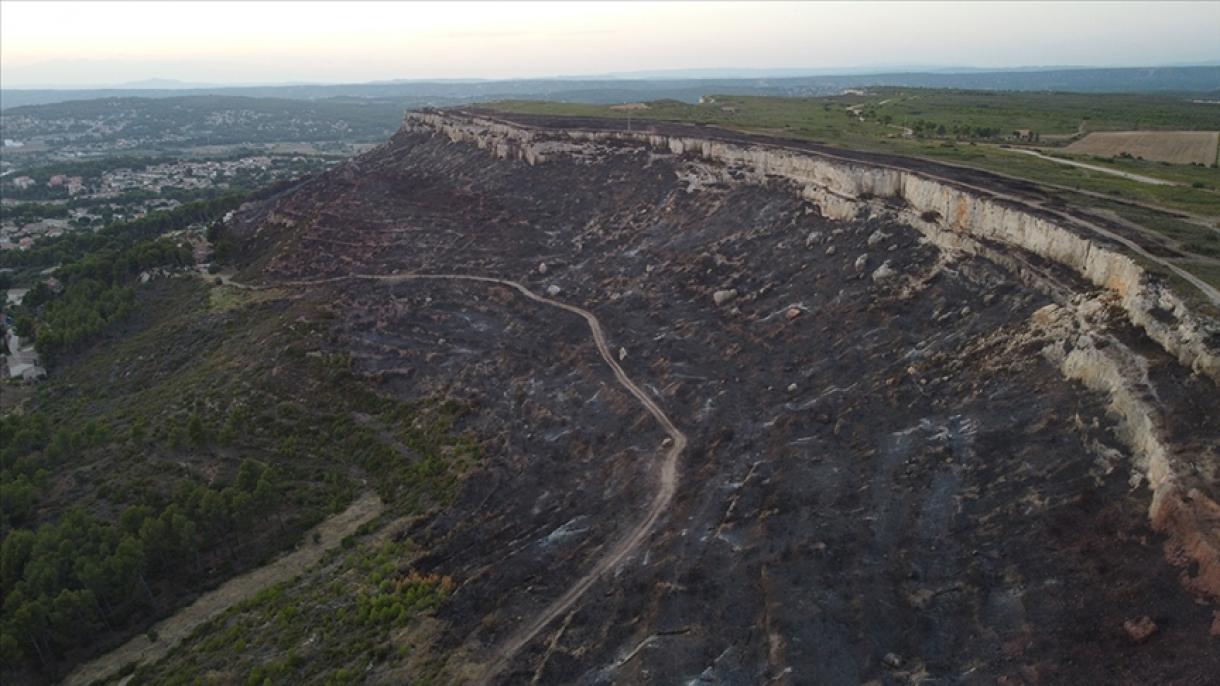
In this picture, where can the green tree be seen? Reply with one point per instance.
(13, 555)
(195, 429)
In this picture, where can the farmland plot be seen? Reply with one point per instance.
(1177, 147)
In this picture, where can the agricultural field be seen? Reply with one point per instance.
(978, 129)
(1044, 114)
(1175, 147)
(1179, 203)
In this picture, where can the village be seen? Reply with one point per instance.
(127, 193)
(20, 363)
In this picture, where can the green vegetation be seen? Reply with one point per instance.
(32, 212)
(66, 580)
(992, 113)
(1188, 235)
(96, 270)
(116, 237)
(977, 129)
(85, 310)
(960, 127)
(1042, 113)
(95, 294)
(161, 455)
(329, 627)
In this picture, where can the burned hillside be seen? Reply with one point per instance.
(934, 430)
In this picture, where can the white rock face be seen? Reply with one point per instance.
(884, 272)
(1103, 364)
(955, 218)
(842, 188)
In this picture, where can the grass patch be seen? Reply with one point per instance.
(332, 626)
(938, 114)
(197, 381)
(223, 297)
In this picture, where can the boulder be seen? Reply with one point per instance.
(861, 262)
(1140, 628)
(723, 296)
(553, 290)
(884, 272)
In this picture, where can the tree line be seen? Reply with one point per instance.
(95, 294)
(66, 580)
(76, 244)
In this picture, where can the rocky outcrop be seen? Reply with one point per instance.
(843, 187)
(1179, 508)
(959, 217)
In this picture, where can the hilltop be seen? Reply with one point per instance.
(655, 402)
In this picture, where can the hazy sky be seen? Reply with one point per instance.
(98, 43)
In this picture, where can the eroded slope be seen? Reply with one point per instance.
(888, 473)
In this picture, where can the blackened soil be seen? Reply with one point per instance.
(886, 481)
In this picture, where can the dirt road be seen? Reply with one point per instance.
(172, 630)
(1105, 170)
(667, 477)
(667, 484)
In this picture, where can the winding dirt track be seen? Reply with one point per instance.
(667, 478)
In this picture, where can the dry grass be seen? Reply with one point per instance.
(1177, 147)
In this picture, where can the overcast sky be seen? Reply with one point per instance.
(101, 43)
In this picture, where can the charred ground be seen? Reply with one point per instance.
(886, 478)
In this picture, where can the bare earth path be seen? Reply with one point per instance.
(1105, 170)
(172, 630)
(667, 477)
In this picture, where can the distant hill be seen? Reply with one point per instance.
(603, 90)
(186, 120)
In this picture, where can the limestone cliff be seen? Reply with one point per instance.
(842, 187)
(957, 216)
